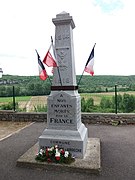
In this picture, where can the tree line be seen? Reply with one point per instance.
(32, 85)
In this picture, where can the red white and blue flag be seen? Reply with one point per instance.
(42, 72)
(50, 58)
(90, 63)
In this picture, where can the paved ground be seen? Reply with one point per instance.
(118, 154)
(7, 128)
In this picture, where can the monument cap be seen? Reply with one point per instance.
(63, 18)
(63, 13)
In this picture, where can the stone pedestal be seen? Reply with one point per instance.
(64, 126)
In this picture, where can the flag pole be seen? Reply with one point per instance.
(80, 78)
(84, 68)
(57, 62)
(49, 79)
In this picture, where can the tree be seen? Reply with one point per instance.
(119, 102)
(128, 103)
(9, 91)
(30, 89)
(105, 103)
(17, 90)
(83, 105)
(2, 91)
(90, 102)
(87, 105)
(38, 89)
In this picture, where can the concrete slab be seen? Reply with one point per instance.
(91, 163)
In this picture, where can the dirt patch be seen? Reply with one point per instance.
(8, 127)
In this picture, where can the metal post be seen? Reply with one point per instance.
(13, 98)
(116, 98)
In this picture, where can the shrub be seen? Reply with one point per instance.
(40, 108)
(8, 106)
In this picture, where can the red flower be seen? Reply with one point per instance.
(62, 152)
(49, 160)
(57, 158)
(46, 152)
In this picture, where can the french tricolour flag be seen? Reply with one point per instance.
(90, 63)
(49, 58)
(42, 72)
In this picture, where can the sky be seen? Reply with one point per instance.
(26, 25)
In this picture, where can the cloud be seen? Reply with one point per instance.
(108, 6)
(12, 56)
(109, 23)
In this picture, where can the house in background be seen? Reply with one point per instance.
(1, 72)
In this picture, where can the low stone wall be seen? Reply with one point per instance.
(108, 118)
(22, 116)
(87, 118)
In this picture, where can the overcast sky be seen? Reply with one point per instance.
(26, 25)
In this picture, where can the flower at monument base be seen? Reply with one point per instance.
(62, 151)
(55, 155)
(47, 153)
(49, 160)
(56, 146)
(41, 151)
(66, 154)
(51, 149)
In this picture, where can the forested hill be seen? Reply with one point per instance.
(107, 83)
(32, 85)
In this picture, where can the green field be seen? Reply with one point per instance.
(27, 103)
(42, 100)
(96, 96)
(18, 99)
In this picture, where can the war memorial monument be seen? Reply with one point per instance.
(64, 125)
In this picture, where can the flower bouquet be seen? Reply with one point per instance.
(54, 155)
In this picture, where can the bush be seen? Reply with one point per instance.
(105, 103)
(128, 103)
(40, 108)
(8, 106)
(87, 105)
(83, 105)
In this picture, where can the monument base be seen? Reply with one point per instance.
(91, 163)
(74, 141)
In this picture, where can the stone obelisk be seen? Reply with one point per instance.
(64, 126)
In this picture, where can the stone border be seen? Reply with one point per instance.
(87, 118)
(91, 163)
